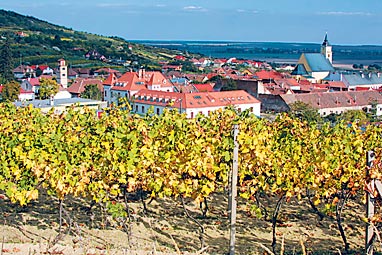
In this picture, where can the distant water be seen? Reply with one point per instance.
(273, 51)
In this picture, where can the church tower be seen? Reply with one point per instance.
(326, 49)
(62, 73)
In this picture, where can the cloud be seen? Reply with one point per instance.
(340, 13)
(160, 5)
(194, 8)
(247, 11)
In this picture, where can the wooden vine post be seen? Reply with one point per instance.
(370, 206)
(233, 191)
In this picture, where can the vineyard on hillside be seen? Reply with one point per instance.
(108, 165)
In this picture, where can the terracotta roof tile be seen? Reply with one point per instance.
(195, 100)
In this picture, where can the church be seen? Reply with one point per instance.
(315, 66)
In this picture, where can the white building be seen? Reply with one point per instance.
(193, 103)
(131, 82)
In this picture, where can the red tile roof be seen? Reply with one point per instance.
(79, 85)
(267, 75)
(41, 67)
(34, 81)
(204, 87)
(194, 100)
(337, 84)
(335, 99)
(305, 82)
(132, 81)
(362, 88)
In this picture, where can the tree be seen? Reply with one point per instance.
(11, 91)
(305, 112)
(48, 87)
(92, 92)
(229, 84)
(354, 116)
(6, 61)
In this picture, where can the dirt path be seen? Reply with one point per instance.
(166, 229)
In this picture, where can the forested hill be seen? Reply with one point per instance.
(35, 41)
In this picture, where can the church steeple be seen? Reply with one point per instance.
(326, 49)
(326, 42)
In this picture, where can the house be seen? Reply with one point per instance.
(106, 71)
(205, 87)
(369, 80)
(180, 57)
(193, 103)
(72, 74)
(26, 95)
(62, 93)
(23, 71)
(167, 68)
(31, 84)
(131, 82)
(83, 72)
(95, 55)
(79, 86)
(42, 69)
(267, 76)
(329, 102)
(184, 88)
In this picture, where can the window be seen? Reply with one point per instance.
(136, 108)
(239, 110)
(158, 111)
(143, 109)
(192, 115)
(105, 93)
(251, 109)
(63, 74)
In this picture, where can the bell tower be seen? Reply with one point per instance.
(326, 49)
(62, 73)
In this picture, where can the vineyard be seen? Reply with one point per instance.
(112, 166)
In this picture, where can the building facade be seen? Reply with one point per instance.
(192, 104)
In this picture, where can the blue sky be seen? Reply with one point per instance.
(346, 21)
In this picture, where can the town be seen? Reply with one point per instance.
(244, 84)
(111, 146)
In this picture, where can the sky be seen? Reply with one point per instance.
(347, 22)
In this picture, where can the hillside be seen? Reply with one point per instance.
(36, 41)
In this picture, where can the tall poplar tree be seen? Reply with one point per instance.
(6, 61)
